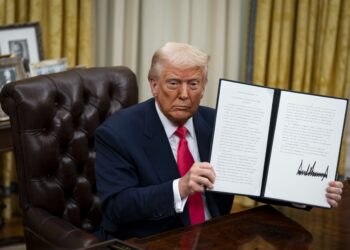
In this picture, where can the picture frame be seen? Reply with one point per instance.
(48, 66)
(23, 41)
(11, 69)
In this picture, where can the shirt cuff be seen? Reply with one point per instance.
(179, 203)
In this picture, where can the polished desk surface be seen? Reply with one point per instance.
(263, 227)
(330, 228)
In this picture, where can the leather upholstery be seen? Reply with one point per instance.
(53, 119)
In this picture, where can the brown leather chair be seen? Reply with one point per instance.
(53, 119)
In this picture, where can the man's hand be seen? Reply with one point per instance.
(334, 191)
(200, 176)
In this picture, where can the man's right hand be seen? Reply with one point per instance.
(200, 176)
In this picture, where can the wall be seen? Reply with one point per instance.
(128, 33)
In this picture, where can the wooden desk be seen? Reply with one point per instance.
(330, 228)
(264, 227)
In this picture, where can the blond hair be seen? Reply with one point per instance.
(180, 55)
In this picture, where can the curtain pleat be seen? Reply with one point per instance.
(261, 44)
(347, 70)
(273, 57)
(310, 44)
(2, 13)
(85, 33)
(36, 8)
(22, 11)
(343, 52)
(286, 43)
(54, 30)
(327, 49)
(70, 30)
(301, 39)
(10, 12)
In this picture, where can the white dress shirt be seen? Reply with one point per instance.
(174, 140)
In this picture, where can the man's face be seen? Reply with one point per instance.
(178, 92)
(7, 75)
(17, 50)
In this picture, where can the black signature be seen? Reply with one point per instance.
(310, 171)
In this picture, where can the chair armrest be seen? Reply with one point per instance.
(55, 231)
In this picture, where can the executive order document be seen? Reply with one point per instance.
(276, 144)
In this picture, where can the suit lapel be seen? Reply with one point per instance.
(156, 146)
(204, 136)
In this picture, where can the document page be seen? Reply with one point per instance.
(240, 137)
(305, 148)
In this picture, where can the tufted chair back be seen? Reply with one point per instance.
(53, 119)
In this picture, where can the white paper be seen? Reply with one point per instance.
(306, 148)
(241, 131)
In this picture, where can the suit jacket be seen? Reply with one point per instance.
(135, 168)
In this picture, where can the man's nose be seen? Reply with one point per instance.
(183, 90)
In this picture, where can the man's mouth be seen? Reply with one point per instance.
(181, 107)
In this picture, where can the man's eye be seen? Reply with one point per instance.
(194, 84)
(172, 84)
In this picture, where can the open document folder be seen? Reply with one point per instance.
(276, 144)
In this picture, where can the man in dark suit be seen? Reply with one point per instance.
(140, 152)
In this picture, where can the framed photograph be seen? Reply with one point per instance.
(48, 66)
(11, 69)
(23, 41)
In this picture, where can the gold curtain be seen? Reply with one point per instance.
(66, 26)
(304, 46)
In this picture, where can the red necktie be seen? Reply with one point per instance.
(184, 162)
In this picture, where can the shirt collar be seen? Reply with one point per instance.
(170, 127)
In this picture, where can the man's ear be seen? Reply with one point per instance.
(154, 87)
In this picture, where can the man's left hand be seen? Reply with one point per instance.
(334, 191)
